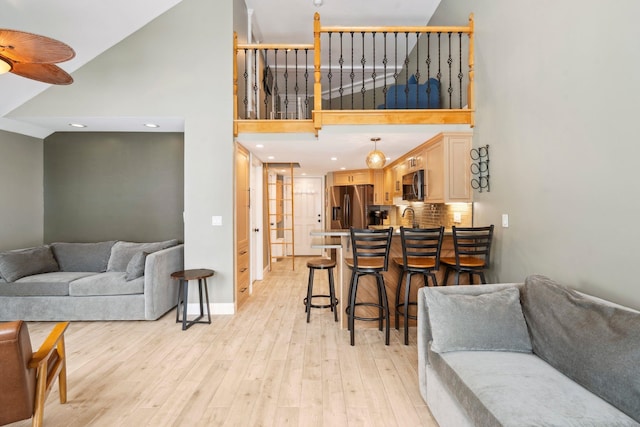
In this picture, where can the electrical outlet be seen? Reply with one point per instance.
(505, 220)
(216, 220)
(457, 217)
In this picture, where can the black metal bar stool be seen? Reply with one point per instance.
(420, 255)
(472, 246)
(183, 277)
(321, 264)
(370, 257)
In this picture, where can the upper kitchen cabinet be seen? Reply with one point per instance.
(447, 168)
(353, 177)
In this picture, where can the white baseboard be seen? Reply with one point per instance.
(216, 308)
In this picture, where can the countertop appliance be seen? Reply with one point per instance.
(350, 206)
(413, 186)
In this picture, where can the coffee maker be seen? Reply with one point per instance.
(377, 217)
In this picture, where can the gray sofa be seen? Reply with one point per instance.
(532, 354)
(112, 280)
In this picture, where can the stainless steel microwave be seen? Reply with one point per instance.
(413, 186)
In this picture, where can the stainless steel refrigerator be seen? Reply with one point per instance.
(350, 206)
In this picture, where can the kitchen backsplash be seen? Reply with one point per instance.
(433, 215)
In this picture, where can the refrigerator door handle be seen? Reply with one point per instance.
(347, 211)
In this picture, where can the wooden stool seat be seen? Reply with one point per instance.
(321, 264)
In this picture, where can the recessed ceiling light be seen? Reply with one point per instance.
(343, 168)
(77, 125)
(270, 157)
(259, 145)
(151, 125)
(334, 158)
(303, 174)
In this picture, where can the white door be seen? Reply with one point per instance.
(307, 203)
(257, 260)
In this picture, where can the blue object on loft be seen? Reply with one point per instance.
(398, 97)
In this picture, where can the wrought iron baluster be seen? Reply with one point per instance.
(296, 87)
(245, 101)
(373, 74)
(449, 62)
(330, 74)
(341, 89)
(406, 69)
(439, 75)
(276, 93)
(428, 62)
(255, 81)
(362, 61)
(352, 74)
(395, 71)
(265, 83)
(384, 63)
(286, 83)
(460, 74)
(417, 74)
(306, 83)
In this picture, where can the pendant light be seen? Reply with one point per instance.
(376, 158)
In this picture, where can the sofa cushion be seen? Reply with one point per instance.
(24, 262)
(109, 283)
(34, 289)
(520, 389)
(594, 343)
(83, 256)
(122, 252)
(491, 321)
(55, 277)
(135, 268)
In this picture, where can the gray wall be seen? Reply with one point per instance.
(179, 65)
(113, 186)
(20, 191)
(557, 101)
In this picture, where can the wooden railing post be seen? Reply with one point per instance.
(235, 84)
(317, 87)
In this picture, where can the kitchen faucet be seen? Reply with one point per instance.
(413, 217)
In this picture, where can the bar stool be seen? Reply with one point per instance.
(420, 255)
(321, 264)
(472, 247)
(370, 257)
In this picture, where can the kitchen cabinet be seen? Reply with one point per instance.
(389, 185)
(378, 187)
(447, 168)
(353, 177)
(398, 172)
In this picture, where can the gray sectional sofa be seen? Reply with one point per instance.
(114, 280)
(532, 354)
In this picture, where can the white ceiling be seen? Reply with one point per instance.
(91, 27)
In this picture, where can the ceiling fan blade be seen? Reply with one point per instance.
(47, 73)
(20, 46)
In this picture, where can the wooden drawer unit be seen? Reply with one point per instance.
(242, 273)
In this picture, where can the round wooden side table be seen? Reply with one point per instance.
(199, 274)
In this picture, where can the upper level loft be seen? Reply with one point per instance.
(355, 76)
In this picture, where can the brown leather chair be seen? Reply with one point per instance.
(25, 377)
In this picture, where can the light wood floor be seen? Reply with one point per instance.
(264, 366)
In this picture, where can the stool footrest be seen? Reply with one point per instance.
(304, 301)
(368, 304)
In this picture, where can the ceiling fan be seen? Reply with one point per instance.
(34, 56)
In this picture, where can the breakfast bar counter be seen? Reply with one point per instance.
(339, 241)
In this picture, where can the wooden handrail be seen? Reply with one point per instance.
(320, 117)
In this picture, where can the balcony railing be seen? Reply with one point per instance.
(356, 75)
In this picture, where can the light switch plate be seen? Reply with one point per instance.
(216, 220)
(457, 217)
(505, 220)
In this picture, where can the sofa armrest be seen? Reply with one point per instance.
(160, 290)
(424, 326)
